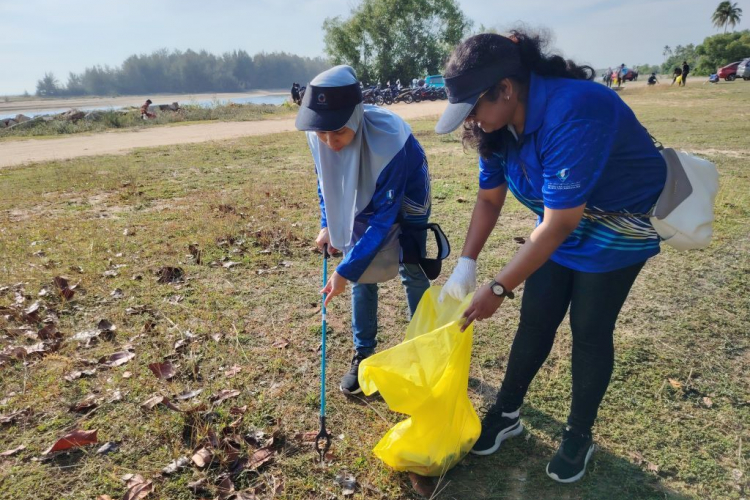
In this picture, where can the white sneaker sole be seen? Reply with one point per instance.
(350, 393)
(577, 476)
(501, 436)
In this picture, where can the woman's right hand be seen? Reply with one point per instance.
(462, 282)
(324, 239)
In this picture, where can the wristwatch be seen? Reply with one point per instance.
(500, 291)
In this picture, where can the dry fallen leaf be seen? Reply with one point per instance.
(195, 252)
(49, 332)
(675, 383)
(12, 452)
(86, 404)
(151, 402)
(348, 483)
(117, 359)
(708, 402)
(107, 447)
(202, 457)
(12, 418)
(223, 395)
(137, 488)
(225, 488)
(176, 465)
(75, 375)
(105, 325)
(424, 486)
(281, 343)
(164, 371)
(231, 372)
(75, 439)
(188, 395)
(260, 457)
(169, 274)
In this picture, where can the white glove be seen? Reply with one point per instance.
(462, 282)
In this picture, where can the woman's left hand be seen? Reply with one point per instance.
(483, 305)
(335, 286)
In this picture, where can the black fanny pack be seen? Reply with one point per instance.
(413, 243)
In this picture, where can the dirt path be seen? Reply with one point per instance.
(30, 151)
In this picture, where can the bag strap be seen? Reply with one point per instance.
(594, 214)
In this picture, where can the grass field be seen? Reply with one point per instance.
(245, 317)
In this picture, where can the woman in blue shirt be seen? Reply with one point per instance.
(372, 173)
(572, 152)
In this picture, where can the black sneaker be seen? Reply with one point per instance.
(496, 428)
(569, 463)
(350, 381)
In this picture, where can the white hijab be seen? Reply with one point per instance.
(348, 178)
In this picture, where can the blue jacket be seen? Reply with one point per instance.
(402, 194)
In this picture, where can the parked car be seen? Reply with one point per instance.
(728, 72)
(743, 69)
(630, 76)
(435, 81)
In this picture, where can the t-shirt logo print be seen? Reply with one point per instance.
(563, 174)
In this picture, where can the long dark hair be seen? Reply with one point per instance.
(480, 50)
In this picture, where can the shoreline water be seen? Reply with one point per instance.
(35, 107)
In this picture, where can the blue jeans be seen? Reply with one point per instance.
(365, 306)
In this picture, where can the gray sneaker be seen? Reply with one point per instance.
(350, 382)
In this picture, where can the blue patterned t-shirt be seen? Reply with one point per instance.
(582, 144)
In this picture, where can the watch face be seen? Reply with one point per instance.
(498, 289)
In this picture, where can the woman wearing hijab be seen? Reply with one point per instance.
(573, 153)
(372, 173)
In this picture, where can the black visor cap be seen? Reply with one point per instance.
(327, 108)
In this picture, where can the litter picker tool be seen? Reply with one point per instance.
(323, 439)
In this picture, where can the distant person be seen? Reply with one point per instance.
(295, 93)
(623, 71)
(652, 80)
(677, 76)
(685, 71)
(145, 114)
(608, 77)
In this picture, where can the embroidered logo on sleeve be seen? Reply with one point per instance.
(563, 175)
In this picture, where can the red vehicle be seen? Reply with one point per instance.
(631, 76)
(729, 72)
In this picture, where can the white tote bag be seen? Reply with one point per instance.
(684, 213)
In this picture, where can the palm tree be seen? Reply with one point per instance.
(726, 14)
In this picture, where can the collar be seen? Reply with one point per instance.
(536, 104)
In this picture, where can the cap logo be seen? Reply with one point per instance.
(321, 98)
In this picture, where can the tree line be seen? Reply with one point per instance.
(187, 72)
(715, 51)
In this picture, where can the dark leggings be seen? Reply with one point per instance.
(595, 300)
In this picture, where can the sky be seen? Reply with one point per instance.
(38, 36)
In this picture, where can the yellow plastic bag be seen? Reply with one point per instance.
(426, 376)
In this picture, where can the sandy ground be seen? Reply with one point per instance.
(8, 108)
(120, 142)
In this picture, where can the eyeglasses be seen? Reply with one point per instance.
(473, 111)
